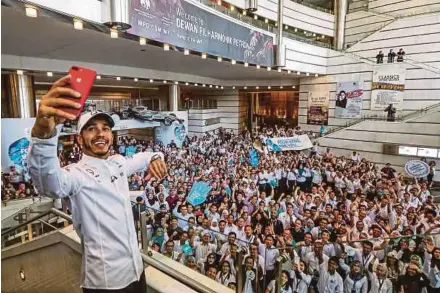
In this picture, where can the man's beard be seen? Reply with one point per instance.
(87, 146)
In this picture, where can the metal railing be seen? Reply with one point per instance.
(25, 213)
(39, 225)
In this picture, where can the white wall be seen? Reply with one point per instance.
(295, 15)
(305, 57)
(403, 8)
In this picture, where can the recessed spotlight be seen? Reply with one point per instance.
(279, 69)
(276, 24)
(135, 79)
(78, 24)
(222, 87)
(204, 56)
(113, 34)
(305, 32)
(289, 72)
(269, 68)
(286, 27)
(233, 62)
(232, 7)
(257, 87)
(307, 74)
(31, 11)
(316, 75)
(269, 87)
(164, 81)
(266, 20)
(20, 72)
(281, 87)
(176, 82)
(166, 47)
(50, 74)
(118, 78)
(216, 86)
(142, 41)
(298, 73)
(186, 83)
(233, 87)
(186, 52)
(98, 77)
(314, 35)
(219, 59)
(245, 87)
(256, 17)
(296, 30)
(204, 85)
(258, 66)
(196, 84)
(246, 64)
(293, 86)
(210, 85)
(244, 12)
(151, 80)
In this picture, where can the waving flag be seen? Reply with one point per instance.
(253, 158)
(198, 193)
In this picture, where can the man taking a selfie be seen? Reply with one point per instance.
(98, 190)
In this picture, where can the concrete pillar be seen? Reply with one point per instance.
(341, 8)
(19, 97)
(174, 97)
(280, 53)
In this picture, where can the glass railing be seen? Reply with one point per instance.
(36, 226)
(291, 33)
(38, 207)
(320, 8)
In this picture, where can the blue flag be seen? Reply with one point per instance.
(198, 193)
(253, 158)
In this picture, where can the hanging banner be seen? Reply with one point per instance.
(176, 132)
(349, 97)
(196, 27)
(294, 143)
(388, 87)
(317, 112)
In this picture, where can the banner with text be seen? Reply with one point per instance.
(294, 143)
(388, 87)
(349, 97)
(317, 112)
(188, 25)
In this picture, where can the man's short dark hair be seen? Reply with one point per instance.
(139, 199)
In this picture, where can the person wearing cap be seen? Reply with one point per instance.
(98, 190)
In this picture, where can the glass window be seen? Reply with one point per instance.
(427, 152)
(406, 150)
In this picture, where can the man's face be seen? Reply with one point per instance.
(222, 226)
(212, 271)
(169, 247)
(184, 210)
(96, 138)
(268, 241)
(366, 249)
(230, 219)
(248, 231)
(231, 239)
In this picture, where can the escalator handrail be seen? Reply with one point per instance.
(51, 211)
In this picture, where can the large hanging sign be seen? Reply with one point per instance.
(418, 169)
(189, 25)
(294, 143)
(349, 97)
(388, 87)
(317, 112)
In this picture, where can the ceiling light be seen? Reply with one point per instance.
(176, 82)
(216, 86)
(219, 59)
(222, 87)
(142, 41)
(20, 72)
(118, 78)
(186, 83)
(210, 85)
(164, 81)
(296, 30)
(305, 32)
(322, 36)
(31, 11)
(307, 74)
(166, 47)
(50, 74)
(314, 35)
(245, 87)
(268, 87)
(204, 85)
(196, 84)
(186, 52)
(135, 79)
(258, 66)
(98, 77)
(233, 62)
(286, 27)
(293, 86)
(151, 80)
(279, 69)
(255, 17)
(78, 24)
(316, 75)
(266, 20)
(113, 34)
(244, 12)
(246, 64)
(257, 87)
(219, 2)
(298, 73)
(269, 68)
(232, 7)
(233, 87)
(276, 24)
(289, 72)
(281, 87)
(204, 55)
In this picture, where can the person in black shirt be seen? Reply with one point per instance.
(400, 55)
(391, 115)
(379, 57)
(391, 56)
(297, 231)
(341, 100)
(388, 172)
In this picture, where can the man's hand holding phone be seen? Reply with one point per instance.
(49, 115)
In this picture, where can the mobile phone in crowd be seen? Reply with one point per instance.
(81, 80)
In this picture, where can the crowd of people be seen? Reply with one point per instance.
(337, 224)
(17, 185)
(391, 56)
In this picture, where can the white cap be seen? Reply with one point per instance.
(86, 117)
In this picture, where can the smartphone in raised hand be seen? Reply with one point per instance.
(81, 80)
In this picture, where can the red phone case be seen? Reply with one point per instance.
(81, 81)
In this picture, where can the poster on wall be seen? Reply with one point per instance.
(317, 111)
(294, 143)
(176, 132)
(349, 97)
(387, 87)
(195, 27)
